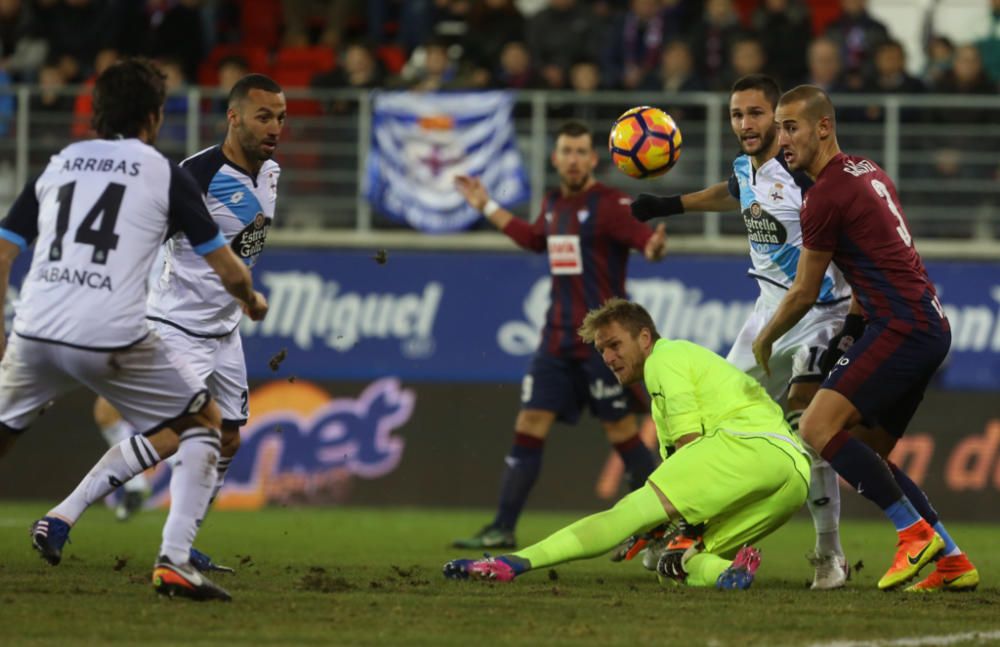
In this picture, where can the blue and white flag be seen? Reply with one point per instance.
(421, 141)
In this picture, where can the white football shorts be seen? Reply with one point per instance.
(795, 357)
(219, 362)
(145, 382)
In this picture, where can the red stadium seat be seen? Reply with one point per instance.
(261, 22)
(392, 56)
(294, 67)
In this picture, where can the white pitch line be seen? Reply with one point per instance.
(915, 641)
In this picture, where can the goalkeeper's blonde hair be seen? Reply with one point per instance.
(632, 316)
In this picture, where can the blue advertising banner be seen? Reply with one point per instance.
(470, 316)
(476, 316)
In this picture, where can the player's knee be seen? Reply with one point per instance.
(815, 430)
(621, 430)
(105, 415)
(534, 423)
(210, 416)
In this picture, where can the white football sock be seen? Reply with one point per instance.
(191, 487)
(220, 475)
(114, 434)
(824, 498)
(119, 464)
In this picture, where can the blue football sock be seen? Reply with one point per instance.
(860, 466)
(923, 505)
(522, 466)
(639, 461)
(902, 514)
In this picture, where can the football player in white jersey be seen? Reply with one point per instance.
(188, 305)
(769, 197)
(97, 215)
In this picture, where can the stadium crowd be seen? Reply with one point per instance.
(583, 45)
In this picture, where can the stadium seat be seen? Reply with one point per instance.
(295, 67)
(261, 22)
(392, 57)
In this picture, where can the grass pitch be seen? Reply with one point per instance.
(373, 576)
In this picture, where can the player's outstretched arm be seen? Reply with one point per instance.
(8, 252)
(236, 279)
(478, 197)
(527, 236)
(715, 198)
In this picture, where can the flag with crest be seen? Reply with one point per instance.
(421, 141)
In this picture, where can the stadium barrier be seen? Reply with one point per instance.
(940, 149)
(395, 383)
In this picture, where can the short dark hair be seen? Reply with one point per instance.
(125, 95)
(574, 128)
(762, 82)
(252, 82)
(816, 103)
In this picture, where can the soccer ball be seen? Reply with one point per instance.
(645, 142)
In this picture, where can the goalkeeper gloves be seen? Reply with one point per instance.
(685, 543)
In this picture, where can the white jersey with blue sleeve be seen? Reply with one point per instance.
(98, 213)
(188, 295)
(770, 202)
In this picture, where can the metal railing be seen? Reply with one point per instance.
(942, 150)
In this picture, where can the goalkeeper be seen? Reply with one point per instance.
(737, 475)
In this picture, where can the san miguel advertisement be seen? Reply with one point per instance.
(396, 382)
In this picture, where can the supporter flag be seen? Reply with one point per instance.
(421, 141)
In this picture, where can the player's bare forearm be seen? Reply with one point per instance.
(790, 311)
(500, 218)
(714, 198)
(236, 279)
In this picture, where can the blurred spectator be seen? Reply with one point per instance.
(968, 76)
(940, 51)
(636, 42)
(173, 133)
(710, 40)
(564, 32)
(676, 73)
(74, 29)
(49, 98)
(230, 70)
(746, 56)
(431, 69)
(22, 52)
(891, 78)
(176, 34)
(858, 35)
(585, 81)
(515, 71)
(824, 65)
(357, 68)
(492, 24)
(785, 28)
(989, 45)
(83, 105)
(302, 16)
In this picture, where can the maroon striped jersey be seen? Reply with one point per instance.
(588, 237)
(853, 211)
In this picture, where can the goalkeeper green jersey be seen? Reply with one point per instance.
(693, 390)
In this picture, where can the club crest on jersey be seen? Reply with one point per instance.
(249, 243)
(582, 215)
(272, 186)
(776, 192)
(763, 228)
